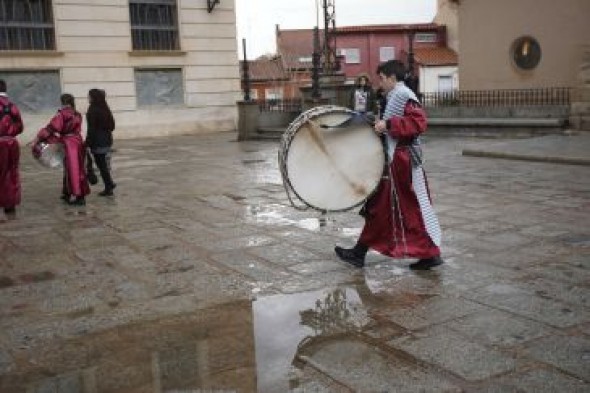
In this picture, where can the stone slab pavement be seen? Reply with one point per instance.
(198, 276)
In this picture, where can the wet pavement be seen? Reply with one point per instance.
(198, 276)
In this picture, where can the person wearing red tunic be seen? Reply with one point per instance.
(11, 125)
(66, 127)
(399, 219)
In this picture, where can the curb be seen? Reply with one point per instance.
(524, 157)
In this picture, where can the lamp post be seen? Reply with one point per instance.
(315, 71)
(246, 73)
(411, 78)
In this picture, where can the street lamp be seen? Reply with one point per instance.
(211, 4)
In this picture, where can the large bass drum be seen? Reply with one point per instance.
(330, 159)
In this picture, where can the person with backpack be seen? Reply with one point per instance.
(11, 125)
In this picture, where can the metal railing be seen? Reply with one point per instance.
(499, 98)
(280, 105)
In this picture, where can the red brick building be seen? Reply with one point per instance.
(362, 48)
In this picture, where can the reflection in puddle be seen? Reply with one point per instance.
(283, 323)
(244, 346)
(280, 343)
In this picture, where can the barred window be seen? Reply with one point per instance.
(26, 25)
(154, 24)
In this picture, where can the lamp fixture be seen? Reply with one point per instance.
(211, 4)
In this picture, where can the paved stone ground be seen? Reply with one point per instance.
(199, 276)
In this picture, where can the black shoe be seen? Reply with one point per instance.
(79, 201)
(350, 256)
(10, 210)
(106, 193)
(427, 263)
(65, 197)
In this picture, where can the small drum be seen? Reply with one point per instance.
(331, 159)
(50, 155)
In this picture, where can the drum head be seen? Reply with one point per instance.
(334, 164)
(50, 155)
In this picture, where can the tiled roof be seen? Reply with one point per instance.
(265, 69)
(388, 28)
(435, 56)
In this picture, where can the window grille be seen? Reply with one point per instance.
(26, 25)
(154, 25)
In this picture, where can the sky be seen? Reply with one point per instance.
(256, 19)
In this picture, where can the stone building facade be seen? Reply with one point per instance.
(168, 66)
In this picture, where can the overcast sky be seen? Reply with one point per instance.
(256, 19)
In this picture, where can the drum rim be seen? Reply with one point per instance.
(326, 108)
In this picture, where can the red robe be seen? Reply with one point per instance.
(11, 125)
(387, 224)
(66, 127)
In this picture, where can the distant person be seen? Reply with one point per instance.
(362, 98)
(399, 219)
(11, 125)
(66, 128)
(99, 136)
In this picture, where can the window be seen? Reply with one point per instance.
(526, 53)
(154, 25)
(159, 87)
(386, 53)
(33, 91)
(26, 25)
(351, 55)
(445, 83)
(426, 37)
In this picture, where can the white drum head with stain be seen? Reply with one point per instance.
(334, 168)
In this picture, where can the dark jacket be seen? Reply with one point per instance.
(100, 124)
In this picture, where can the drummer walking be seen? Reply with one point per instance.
(11, 125)
(399, 219)
(66, 127)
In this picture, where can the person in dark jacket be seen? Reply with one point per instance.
(99, 136)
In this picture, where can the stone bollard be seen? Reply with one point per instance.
(248, 114)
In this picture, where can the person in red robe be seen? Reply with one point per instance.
(66, 128)
(399, 219)
(11, 125)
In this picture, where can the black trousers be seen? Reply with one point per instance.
(105, 173)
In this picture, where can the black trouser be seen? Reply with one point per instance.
(103, 167)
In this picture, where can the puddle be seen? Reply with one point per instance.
(271, 215)
(265, 345)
